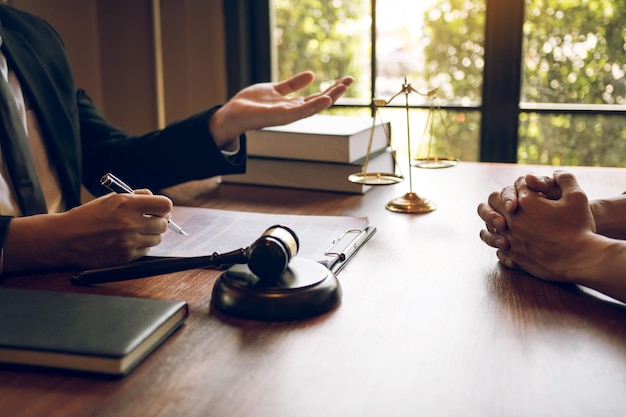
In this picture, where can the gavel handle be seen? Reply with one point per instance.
(141, 269)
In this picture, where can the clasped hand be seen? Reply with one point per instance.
(539, 224)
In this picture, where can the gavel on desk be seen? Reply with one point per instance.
(263, 282)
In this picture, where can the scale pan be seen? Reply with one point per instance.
(434, 163)
(375, 178)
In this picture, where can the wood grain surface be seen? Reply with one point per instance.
(430, 324)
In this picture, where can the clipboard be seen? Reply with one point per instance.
(344, 247)
(342, 250)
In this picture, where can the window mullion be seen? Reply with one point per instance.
(248, 44)
(501, 80)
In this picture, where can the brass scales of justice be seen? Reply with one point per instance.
(409, 202)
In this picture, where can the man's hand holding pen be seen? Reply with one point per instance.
(109, 230)
(126, 232)
(116, 185)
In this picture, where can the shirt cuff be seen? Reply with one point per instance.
(232, 153)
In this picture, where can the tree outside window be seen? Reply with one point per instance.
(572, 109)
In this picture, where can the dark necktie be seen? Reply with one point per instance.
(17, 155)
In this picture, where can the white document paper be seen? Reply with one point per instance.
(220, 231)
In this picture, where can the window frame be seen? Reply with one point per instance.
(249, 59)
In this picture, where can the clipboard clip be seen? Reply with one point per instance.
(341, 248)
(345, 246)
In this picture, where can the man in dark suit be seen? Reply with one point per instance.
(78, 145)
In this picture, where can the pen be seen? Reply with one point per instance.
(118, 186)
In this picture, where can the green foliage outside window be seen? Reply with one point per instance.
(324, 36)
(574, 54)
(454, 33)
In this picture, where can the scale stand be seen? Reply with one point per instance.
(409, 202)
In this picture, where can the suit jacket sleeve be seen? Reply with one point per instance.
(183, 151)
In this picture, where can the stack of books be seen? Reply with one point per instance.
(317, 153)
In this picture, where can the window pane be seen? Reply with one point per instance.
(574, 52)
(594, 140)
(455, 133)
(435, 44)
(330, 38)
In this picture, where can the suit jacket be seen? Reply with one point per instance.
(81, 142)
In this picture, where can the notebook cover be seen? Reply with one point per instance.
(83, 332)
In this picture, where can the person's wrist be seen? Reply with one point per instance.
(64, 227)
(603, 272)
(43, 235)
(596, 212)
(588, 263)
(221, 131)
(609, 218)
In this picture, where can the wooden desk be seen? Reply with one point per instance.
(430, 325)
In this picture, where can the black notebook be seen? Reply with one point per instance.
(91, 333)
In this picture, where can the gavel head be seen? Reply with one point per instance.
(269, 255)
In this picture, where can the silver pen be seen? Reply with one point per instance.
(118, 186)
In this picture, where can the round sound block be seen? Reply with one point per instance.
(304, 290)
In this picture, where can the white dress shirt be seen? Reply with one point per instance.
(46, 171)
